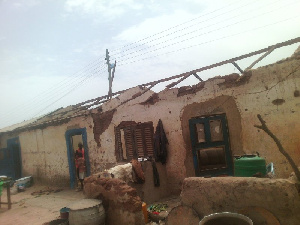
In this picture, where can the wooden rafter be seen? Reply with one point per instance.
(76, 109)
(260, 58)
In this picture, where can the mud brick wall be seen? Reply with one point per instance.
(277, 198)
(121, 202)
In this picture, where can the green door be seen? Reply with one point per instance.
(210, 146)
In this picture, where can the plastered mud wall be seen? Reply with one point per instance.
(272, 91)
(44, 151)
(262, 199)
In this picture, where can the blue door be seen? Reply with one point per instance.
(10, 159)
(210, 146)
(70, 152)
(5, 163)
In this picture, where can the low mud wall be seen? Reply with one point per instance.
(121, 202)
(264, 200)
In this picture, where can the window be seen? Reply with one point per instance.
(212, 158)
(134, 140)
(210, 145)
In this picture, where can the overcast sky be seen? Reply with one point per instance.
(52, 53)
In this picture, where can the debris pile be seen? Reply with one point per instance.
(121, 202)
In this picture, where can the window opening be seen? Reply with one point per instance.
(212, 158)
(200, 132)
(134, 140)
(216, 130)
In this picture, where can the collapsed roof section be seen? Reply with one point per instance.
(88, 107)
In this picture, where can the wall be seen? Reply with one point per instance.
(261, 199)
(272, 94)
(147, 191)
(44, 151)
(272, 91)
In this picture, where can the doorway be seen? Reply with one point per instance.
(73, 137)
(10, 159)
(211, 146)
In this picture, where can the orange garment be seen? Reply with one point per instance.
(81, 165)
(79, 154)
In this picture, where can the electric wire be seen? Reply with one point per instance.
(65, 94)
(52, 103)
(54, 89)
(206, 42)
(188, 33)
(86, 78)
(211, 31)
(29, 106)
(184, 28)
(80, 82)
(177, 25)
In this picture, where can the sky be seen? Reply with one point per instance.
(52, 53)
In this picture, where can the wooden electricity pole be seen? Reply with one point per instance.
(110, 74)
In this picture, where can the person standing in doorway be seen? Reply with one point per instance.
(80, 163)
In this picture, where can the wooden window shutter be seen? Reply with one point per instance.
(144, 139)
(139, 141)
(130, 143)
(118, 144)
(148, 135)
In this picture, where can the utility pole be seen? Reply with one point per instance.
(110, 75)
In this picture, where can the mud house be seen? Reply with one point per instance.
(205, 124)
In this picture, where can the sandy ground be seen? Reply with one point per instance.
(30, 209)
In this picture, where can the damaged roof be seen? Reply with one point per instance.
(85, 108)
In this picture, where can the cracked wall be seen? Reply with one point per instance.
(44, 150)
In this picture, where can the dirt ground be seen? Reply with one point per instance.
(36, 209)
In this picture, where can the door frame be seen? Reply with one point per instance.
(70, 153)
(197, 146)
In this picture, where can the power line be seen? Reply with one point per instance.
(74, 86)
(63, 95)
(181, 49)
(182, 35)
(220, 38)
(217, 29)
(233, 3)
(61, 85)
(33, 104)
(86, 78)
(184, 28)
(66, 81)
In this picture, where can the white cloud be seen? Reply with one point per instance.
(108, 9)
(78, 50)
(153, 25)
(24, 4)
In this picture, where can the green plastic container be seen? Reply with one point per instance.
(249, 165)
(1, 185)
